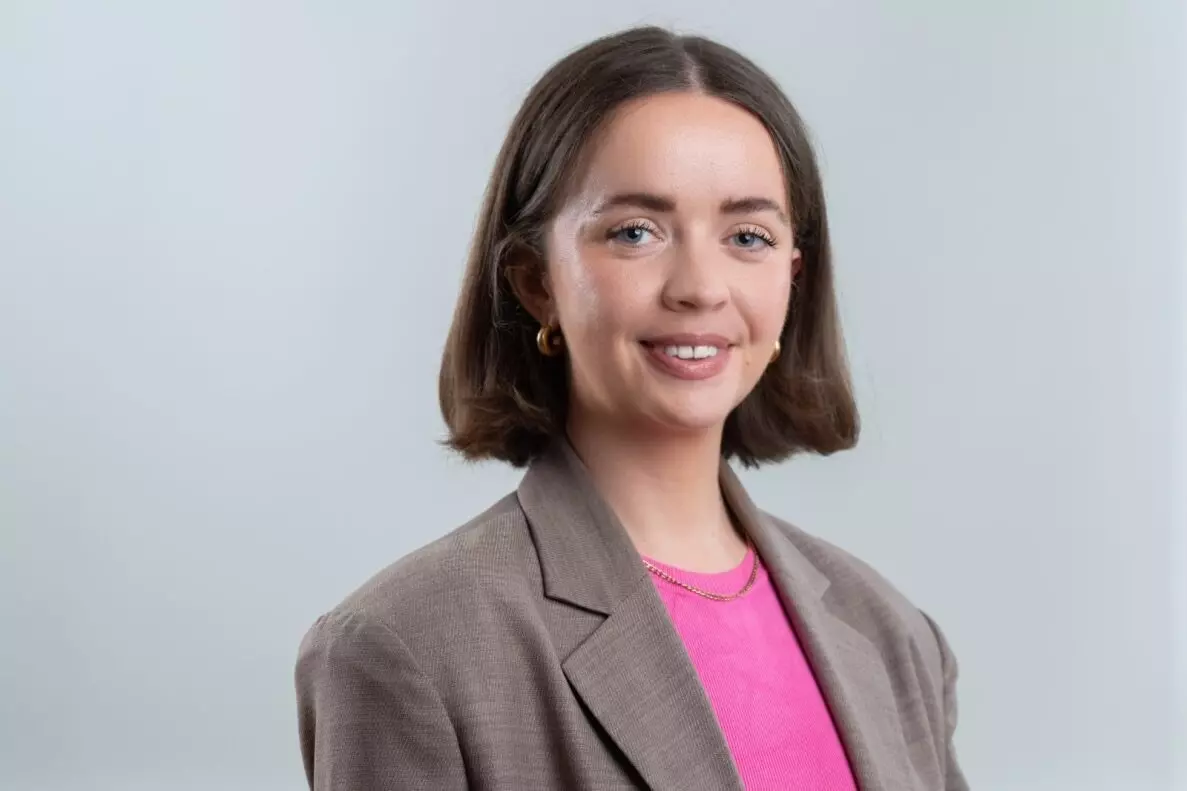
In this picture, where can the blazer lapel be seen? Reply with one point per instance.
(847, 666)
(634, 675)
(633, 672)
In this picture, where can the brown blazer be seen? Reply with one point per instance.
(530, 650)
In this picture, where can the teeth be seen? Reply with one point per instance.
(691, 352)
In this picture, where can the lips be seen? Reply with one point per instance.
(689, 356)
(689, 339)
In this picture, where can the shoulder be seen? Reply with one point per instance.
(444, 586)
(868, 600)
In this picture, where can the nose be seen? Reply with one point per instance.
(696, 280)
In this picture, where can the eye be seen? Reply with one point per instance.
(633, 233)
(753, 238)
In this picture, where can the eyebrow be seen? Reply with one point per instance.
(659, 203)
(753, 206)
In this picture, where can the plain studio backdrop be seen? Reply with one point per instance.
(230, 238)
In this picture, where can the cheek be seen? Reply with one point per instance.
(597, 298)
(766, 298)
(572, 284)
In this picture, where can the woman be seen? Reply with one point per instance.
(649, 295)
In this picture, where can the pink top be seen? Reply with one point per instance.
(769, 707)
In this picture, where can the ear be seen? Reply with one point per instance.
(797, 263)
(529, 282)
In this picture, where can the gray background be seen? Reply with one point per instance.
(230, 238)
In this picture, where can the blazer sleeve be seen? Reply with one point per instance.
(369, 717)
(954, 779)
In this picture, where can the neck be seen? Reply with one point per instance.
(665, 490)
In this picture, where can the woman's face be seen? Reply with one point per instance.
(670, 266)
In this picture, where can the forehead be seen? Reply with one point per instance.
(687, 145)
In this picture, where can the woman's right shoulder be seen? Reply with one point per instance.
(440, 585)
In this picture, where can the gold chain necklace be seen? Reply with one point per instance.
(706, 594)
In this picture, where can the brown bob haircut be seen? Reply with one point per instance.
(501, 398)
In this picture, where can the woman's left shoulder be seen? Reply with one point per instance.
(864, 596)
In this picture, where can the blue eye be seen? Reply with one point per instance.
(631, 234)
(749, 240)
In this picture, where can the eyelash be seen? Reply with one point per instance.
(750, 230)
(633, 225)
(757, 232)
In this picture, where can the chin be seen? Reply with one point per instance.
(693, 425)
(692, 416)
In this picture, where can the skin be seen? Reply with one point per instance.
(678, 223)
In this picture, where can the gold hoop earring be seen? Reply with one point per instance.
(775, 353)
(548, 341)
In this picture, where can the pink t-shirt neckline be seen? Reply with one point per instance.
(722, 583)
(757, 677)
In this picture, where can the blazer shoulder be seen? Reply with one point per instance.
(441, 585)
(861, 591)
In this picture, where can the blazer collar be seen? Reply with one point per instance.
(588, 559)
(633, 673)
(586, 556)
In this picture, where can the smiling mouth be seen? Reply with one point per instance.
(689, 352)
(690, 359)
